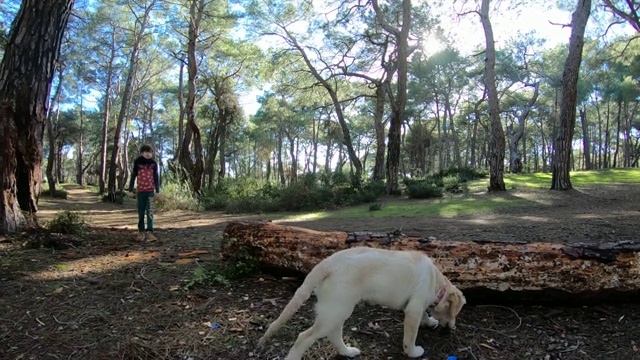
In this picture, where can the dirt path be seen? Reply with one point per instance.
(115, 298)
(113, 216)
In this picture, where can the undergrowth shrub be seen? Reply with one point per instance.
(424, 190)
(67, 222)
(375, 206)
(449, 180)
(452, 184)
(221, 273)
(310, 192)
(464, 174)
(175, 196)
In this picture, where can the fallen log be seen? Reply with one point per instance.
(494, 272)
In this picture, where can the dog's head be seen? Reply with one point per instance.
(449, 306)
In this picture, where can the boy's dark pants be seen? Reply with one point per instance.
(145, 206)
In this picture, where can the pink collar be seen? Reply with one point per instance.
(440, 295)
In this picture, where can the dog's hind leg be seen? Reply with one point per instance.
(335, 338)
(329, 317)
(306, 338)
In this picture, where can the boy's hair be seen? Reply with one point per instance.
(146, 148)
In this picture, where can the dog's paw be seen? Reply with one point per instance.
(430, 322)
(351, 352)
(417, 351)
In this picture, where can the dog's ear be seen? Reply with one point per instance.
(443, 305)
(456, 300)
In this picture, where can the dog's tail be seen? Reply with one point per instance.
(311, 281)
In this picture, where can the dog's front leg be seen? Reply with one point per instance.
(412, 317)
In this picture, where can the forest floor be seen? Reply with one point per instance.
(116, 298)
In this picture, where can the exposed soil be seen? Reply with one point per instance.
(116, 298)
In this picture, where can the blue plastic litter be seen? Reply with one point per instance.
(216, 325)
(452, 357)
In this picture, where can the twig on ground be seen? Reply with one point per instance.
(9, 320)
(510, 309)
(468, 350)
(571, 348)
(61, 322)
(142, 275)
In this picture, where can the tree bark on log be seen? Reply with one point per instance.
(487, 272)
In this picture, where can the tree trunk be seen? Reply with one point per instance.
(222, 148)
(52, 135)
(346, 133)
(627, 134)
(607, 154)
(152, 137)
(502, 271)
(80, 159)
(126, 98)
(316, 136)
(59, 161)
(474, 136)
(497, 140)
(181, 105)
(614, 164)
(195, 169)
(381, 147)
(599, 142)
(562, 156)
(294, 157)
(283, 180)
(105, 116)
(585, 138)
(515, 161)
(27, 69)
(399, 100)
(454, 133)
(441, 142)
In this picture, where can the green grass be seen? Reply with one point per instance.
(448, 207)
(578, 179)
(456, 205)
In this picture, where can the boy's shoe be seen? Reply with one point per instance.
(150, 237)
(140, 236)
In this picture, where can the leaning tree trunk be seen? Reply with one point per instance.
(515, 158)
(497, 139)
(52, 135)
(104, 142)
(126, 100)
(399, 100)
(495, 271)
(194, 169)
(26, 72)
(332, 91)
(562, 157)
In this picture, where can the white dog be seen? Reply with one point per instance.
(406, 280)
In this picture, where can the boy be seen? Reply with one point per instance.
(145, 168)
